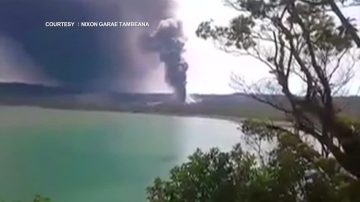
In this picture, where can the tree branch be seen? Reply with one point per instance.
(345, 22)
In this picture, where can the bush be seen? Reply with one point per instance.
(294, 172)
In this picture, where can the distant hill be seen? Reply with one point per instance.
(233, 105)
(22, 89)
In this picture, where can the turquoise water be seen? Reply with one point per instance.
(82, 156)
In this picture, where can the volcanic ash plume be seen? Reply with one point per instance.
(95, 59)
(168, 40)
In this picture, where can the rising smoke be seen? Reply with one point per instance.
(169, 41)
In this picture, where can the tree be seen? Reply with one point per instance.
(298, 39)
(346, 22)
(346, 25)
(293, 172)
(39, 198)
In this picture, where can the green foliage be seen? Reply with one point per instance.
(351, 123)
(212, 176)
(295, 173)
(39, 198)
(259, 18)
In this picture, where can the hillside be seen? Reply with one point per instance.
(233, 105)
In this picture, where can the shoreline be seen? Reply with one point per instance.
(233, 119)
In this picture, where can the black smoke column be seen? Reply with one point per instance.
(169, 41)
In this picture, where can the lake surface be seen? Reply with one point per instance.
(83, 156)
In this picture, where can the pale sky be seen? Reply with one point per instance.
(210, 68)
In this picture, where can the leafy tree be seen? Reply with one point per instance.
(298, 40)
(39, 198)
(295, 172)
(346, 26)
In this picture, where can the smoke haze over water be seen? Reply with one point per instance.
(86, 58)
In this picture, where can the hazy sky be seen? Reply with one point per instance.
(102, 59)
(111, 59)
(211, 68)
